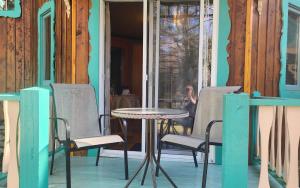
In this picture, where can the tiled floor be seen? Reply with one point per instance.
(110, 174)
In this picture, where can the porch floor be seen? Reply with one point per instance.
(110, 174)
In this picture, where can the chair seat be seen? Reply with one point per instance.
(101, 140)
(183, 140)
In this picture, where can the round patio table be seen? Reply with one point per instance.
(149, 114)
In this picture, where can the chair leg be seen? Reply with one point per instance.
(98, 156)
(68, 167)
(52, 162)
(126, 160)
(195, 159)
(204, 177)
(158, 158)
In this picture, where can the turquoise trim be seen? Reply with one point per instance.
(3, 176)
(93, 68)
(224, 32)
(9, 96)
(254, 124)
(223, 67)
(48, 9)
(34, 137)
(283, 90)
(12, 13)
(274, 101)
(235, 140)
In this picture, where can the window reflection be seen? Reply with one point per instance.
(179, 51)
(47, 47)
(293, 48)
(7, 5)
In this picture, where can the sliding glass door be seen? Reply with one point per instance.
(182, 38)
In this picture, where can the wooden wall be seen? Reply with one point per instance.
(72, 65)
(18, 46)
(17, 51)
(266, 46)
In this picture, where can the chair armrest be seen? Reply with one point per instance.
(66, 124)
(100, 121)
(123, 124)
(209, 126)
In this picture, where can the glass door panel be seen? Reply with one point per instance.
(182, 38)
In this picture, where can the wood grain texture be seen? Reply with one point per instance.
(10, 55)
(82, 42)
(28, 44)
(3, 48)
(20, 51)
(265, 53)
(58, 37)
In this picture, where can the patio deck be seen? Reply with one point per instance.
(110, 174)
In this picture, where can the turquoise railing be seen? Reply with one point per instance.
(264, 111)
(34, 137)
(34, 110)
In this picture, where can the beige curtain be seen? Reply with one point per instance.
(107, 66)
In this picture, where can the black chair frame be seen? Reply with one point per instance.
(204, 148)
(67, 144)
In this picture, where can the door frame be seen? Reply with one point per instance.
(155, 62)
(140, 154)
(118, 153)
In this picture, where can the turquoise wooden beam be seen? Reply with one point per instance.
(235, 140)
(274, 101)
(34, 138)
(9, 97)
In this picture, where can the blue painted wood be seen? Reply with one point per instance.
(34, 138)
(284, 91)
(273, 101)
(93, 67)
(3, 176)
(254, 124)
(15, 13)
(223, 34)
(235, 140)
(93, 26)
(48, 9)
(9, 96)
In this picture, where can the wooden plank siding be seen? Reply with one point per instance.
(265, 64)
(18, 46)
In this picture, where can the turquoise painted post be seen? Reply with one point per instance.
(235, 140)
(34, 138)
(254, 118)
(93, 69)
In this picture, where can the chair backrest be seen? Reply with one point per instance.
(77, 104)
(209, 108)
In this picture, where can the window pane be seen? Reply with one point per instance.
(179, 51)
(292, 49)
(7, 4)
(47, 47)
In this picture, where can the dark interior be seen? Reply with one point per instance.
(126, 65)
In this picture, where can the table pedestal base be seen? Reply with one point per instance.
(150, 159)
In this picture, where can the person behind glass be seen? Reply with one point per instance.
(189, 104)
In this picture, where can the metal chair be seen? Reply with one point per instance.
(208, 113)
(78, 125)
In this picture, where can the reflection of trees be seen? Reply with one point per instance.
(7, 4)
(179, 47)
